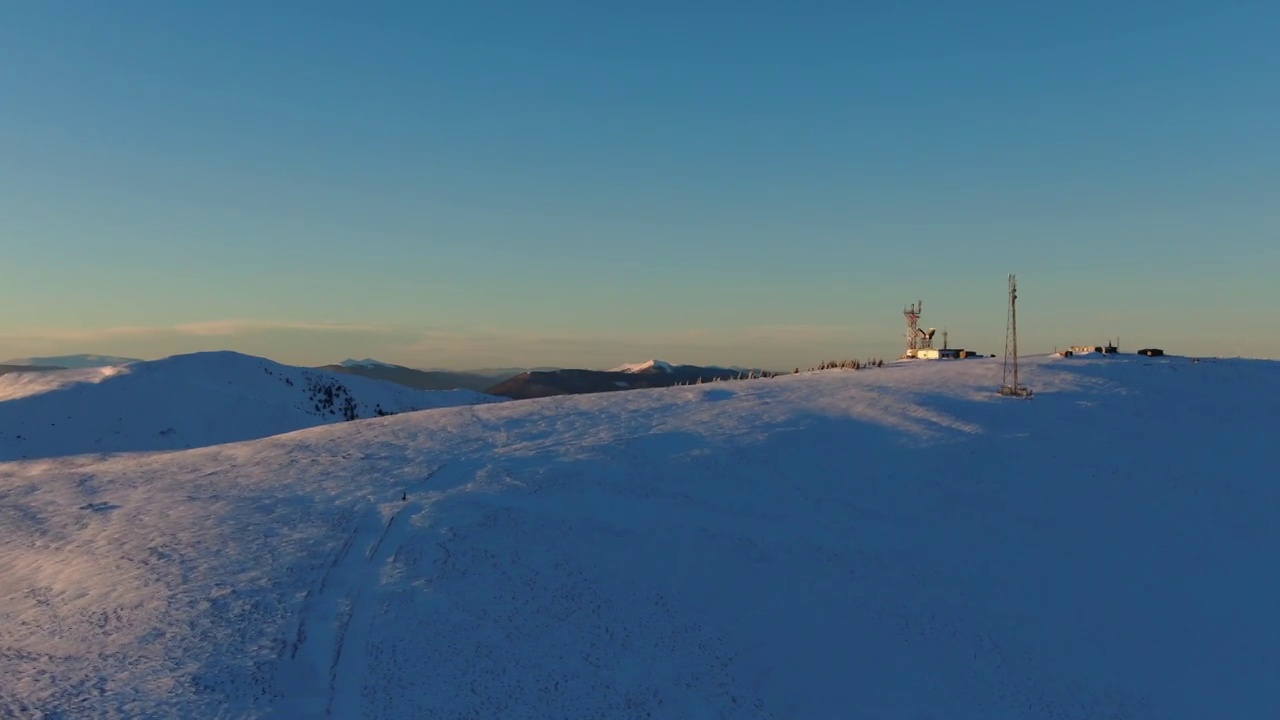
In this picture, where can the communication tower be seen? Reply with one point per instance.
(1009, 384)
(917, 339)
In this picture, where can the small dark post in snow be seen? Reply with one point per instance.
(404, 496)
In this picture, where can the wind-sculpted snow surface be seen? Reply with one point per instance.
(189, 401)
(887, 543)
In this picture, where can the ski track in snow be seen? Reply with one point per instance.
(329, 645)
(883, 543)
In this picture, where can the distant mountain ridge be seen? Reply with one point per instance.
(504, 372)
(73, 361)
(367, 362)
(632, 376)
(412, 378)
(6, 369)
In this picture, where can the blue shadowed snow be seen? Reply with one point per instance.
(883, 543)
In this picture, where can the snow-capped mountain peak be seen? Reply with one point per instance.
(646, 366)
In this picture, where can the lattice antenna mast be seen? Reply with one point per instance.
(912, 314)
(1013, 325)
(1011, 347)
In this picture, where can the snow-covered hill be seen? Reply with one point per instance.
(188, 401)
(646, 366)
(883, 543)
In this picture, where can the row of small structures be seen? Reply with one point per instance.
(1109, 349)
(920, 345)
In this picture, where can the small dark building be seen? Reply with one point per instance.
(1151, 352)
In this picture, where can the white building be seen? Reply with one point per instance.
(939, 354)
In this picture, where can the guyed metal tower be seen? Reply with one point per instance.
(1010, 386)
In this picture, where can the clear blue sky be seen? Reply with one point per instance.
(586, 183)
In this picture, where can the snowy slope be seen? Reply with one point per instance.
(188, 401)
(647, 365)
(886, 543)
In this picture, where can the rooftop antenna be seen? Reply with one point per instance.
(944, 339)
(1010, 386)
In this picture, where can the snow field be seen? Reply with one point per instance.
(886, 543)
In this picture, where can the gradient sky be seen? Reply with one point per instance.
(476, 183)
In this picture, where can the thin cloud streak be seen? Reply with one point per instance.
(239, 327)
(211, 328)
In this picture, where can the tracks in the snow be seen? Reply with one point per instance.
(323, 671)
(347, 671)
